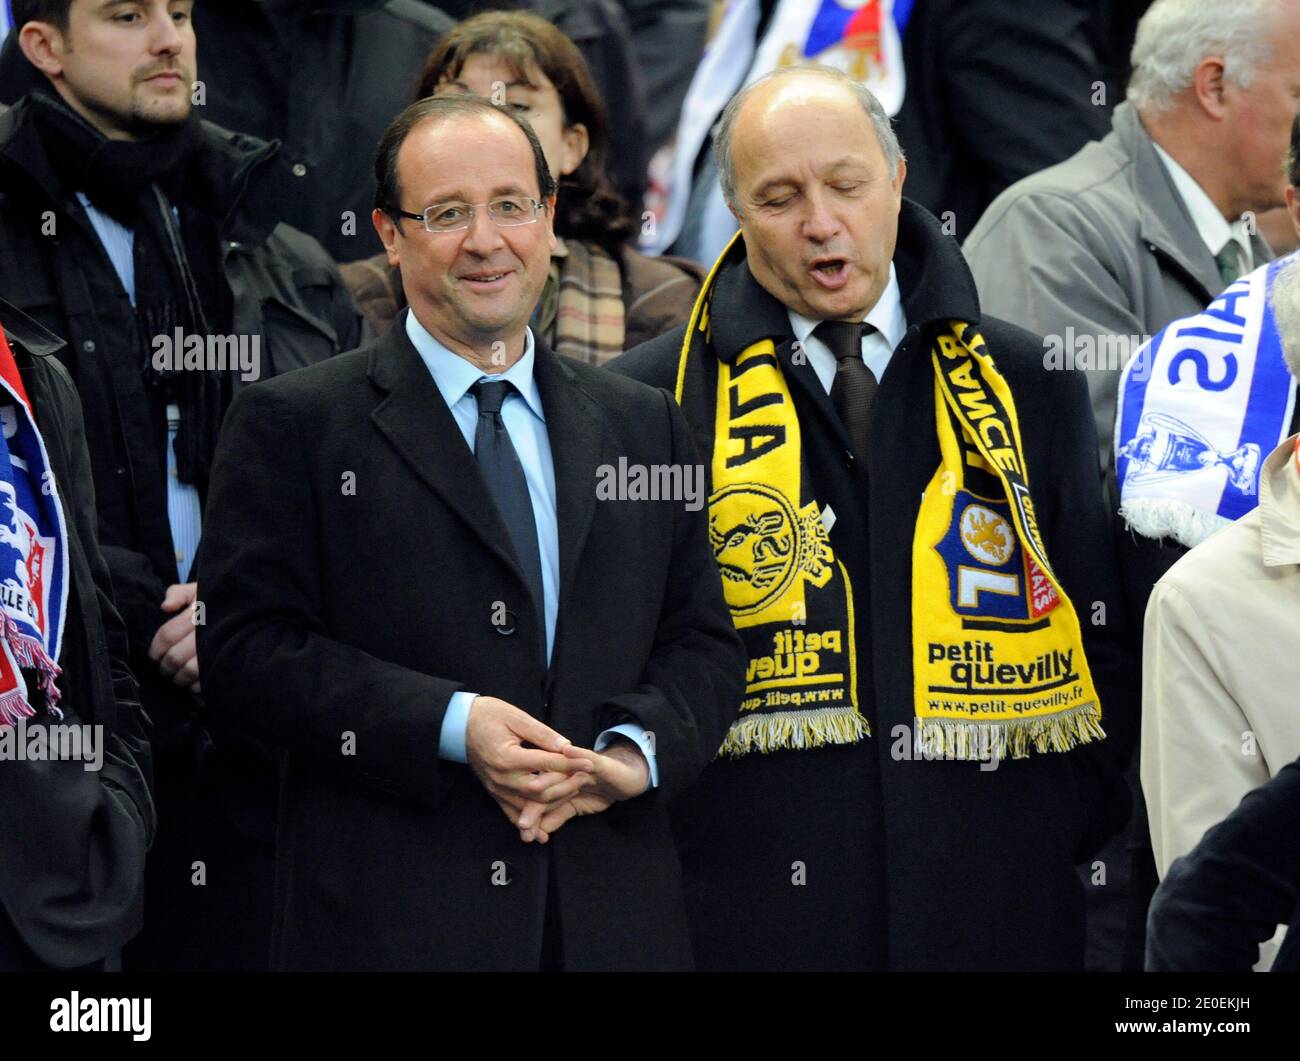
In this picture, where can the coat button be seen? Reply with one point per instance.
(88, 346)
(299, 170)
(507, 626)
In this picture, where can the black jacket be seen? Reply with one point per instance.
(351, 588)
(996, 90)
(1220, 902)
(325, 83)
(911, 864)
(72, 841)
(282, 287)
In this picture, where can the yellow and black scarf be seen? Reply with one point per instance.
(997, 654)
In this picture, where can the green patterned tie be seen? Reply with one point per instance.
(1229, 262)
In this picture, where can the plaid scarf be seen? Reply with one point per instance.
(581, 313)
(33, 554)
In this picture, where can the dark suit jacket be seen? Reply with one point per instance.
(1220, 902)
(334, 611)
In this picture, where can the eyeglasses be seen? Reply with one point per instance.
(454, 217)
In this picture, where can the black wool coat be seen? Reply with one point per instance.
(73, 841)
(353, 584)
(909, 864)
(997, 90)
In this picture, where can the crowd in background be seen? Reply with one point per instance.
(1117, 184)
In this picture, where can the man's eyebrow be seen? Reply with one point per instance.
(512, 188)
(106, 6)
(769, 186)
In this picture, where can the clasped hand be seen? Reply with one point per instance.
(541, 787)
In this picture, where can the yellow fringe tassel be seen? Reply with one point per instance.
(794, 729)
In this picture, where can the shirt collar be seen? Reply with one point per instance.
(455, 375)
(886, 315)
(1210, 224)
(1279, 505)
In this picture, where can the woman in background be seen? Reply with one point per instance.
(602, 297)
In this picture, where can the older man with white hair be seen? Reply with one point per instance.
(1219, 714)
(1150, 223)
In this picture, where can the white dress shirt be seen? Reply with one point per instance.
(877, 348)
(1210, 224)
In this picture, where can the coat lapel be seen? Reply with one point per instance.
(1166, 225)
(574, 425)
(416, 421)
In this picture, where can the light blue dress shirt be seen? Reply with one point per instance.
(525, 420)
(183, 512)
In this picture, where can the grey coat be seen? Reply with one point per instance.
(1101, 244)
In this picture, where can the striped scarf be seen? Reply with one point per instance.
(33, 555)
(581, 314)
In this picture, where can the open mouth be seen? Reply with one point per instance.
(830, 272)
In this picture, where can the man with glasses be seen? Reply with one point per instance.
(461, 634)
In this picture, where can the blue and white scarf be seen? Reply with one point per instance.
(33, 554)
(1200, 405)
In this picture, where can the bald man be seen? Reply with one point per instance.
(905, 514)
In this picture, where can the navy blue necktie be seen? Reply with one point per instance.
(504, 475)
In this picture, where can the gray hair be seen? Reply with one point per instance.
(1285, 300)
(880, 122)
(1175, 35)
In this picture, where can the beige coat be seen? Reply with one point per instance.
(1221, 667)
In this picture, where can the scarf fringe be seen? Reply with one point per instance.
(30, 653)
(14, 708)
(1166, 517)
(794, 729)
(941, 738)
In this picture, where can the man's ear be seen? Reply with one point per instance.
(1209, 86)
(550, 218)
(386, 227)
(44, 46)
(900, 178)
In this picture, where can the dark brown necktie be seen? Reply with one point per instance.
(854, 388)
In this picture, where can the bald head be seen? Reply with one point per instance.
(793, 86)
(816, 187)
